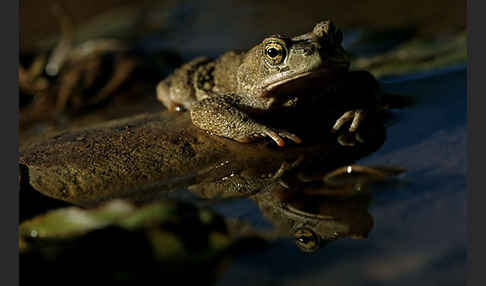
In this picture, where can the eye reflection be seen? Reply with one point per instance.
(306, 239)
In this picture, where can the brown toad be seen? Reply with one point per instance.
(226, 96)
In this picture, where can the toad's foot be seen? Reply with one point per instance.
(286, 167)
(356, 116)
(274, 134)
(350, 139)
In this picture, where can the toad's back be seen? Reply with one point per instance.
(199, 79)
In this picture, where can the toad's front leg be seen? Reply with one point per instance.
(221, 116)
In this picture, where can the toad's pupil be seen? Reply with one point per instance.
(272, 52)
(304, 239)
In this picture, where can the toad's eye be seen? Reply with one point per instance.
(274, 53)
(306, 239)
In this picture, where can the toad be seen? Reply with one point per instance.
(227, 96)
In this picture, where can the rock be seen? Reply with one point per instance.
(144, 156)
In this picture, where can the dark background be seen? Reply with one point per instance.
(431, 18)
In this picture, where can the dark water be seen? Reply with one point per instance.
(419, 231)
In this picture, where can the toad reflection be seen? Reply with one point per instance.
(319, 210)
(325, 210)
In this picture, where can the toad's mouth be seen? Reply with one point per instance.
(294, 80)
(292, 211)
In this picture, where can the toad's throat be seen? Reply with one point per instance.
(284, 79)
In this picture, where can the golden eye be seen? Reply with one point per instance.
(306, 239)
(274, 53)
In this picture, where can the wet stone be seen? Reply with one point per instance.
(94, 164)
(145, 156)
